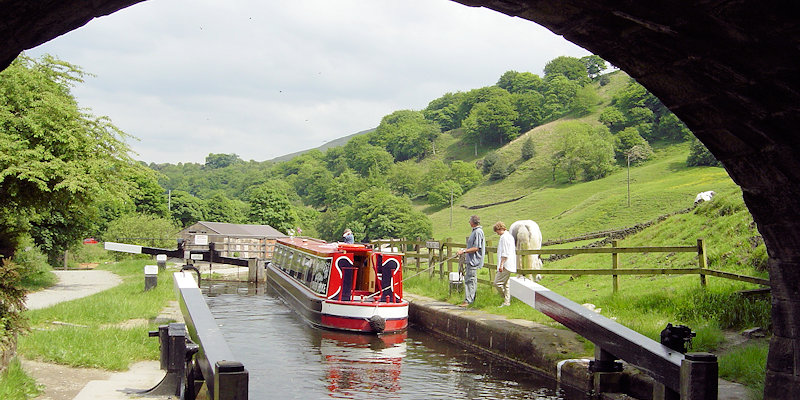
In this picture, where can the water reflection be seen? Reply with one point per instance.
(358, 363)
(287, 359)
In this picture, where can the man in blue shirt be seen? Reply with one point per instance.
(347, 236)
(476, 248)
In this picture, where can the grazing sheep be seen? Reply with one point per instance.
(527, 236)
(704, 196)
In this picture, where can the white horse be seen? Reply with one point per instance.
(527, 236)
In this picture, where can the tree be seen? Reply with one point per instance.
(572, 68)
(489, 160)
(143, 230)
(437, 171)
(186, 208)
(477, 96)
(363, 157)
(465, 174)
(219, 208)
(520, 82)
(671, 128)
(404, 178)
(612, 118)
(528, 149)
(492, 121)
(444, 111)
(269, 206)
(405, 134)
(530, 110)
(57, 163)
(556, 159)
(627, 140)
(585, 101)
(442, 192)
(559, 95)
(384, 215)
(500, 169)
(221, 160)
(700, 156)
(594, 65)
(585, 149)
(344, 188)
(147, 195)
(633, 155)
(311, 182)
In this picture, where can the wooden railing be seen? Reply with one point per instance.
(439, 257)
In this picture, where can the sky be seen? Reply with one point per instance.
(265, 78)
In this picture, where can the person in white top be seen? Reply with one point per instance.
(506, 261)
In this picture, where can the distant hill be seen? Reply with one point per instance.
(333, 143)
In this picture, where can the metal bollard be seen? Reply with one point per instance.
(699, 377)
(230, 381)
(161, 260)
(173, 347)
(150, 277)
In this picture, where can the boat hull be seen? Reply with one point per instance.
(351, 316)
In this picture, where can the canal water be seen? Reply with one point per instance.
(288, 359)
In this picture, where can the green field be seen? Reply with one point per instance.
(661, 190)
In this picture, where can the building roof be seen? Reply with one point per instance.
(226, 229)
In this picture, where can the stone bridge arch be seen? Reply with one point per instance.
(728, 69)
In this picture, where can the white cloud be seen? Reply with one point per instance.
(267, 78)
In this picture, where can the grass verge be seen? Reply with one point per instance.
(16, 385)
(746, 365)
(89, 332)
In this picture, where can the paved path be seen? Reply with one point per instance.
(72, 285)
(67, 383)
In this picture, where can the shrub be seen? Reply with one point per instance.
(12, 301)
(528, 150)
(500, 170)
(489, 161)
(33, 267)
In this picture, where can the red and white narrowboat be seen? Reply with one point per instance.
(350, 287)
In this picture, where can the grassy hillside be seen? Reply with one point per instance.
(662, 185)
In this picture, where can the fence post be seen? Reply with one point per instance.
(416, 250)
(522, 264)
(492, 271)
(615, 265)
(702, 261)
(449, 255)
(431, 256)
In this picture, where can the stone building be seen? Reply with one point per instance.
(231, 240)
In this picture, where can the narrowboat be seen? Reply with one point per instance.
(349, 287)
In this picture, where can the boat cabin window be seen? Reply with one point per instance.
(311, 270)
(319, 275)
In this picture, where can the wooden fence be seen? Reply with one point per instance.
(441, 259)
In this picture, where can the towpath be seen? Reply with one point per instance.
(67, 383)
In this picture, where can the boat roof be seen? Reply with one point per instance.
(323, 248)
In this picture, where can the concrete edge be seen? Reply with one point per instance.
(539, 348)
(535, 347)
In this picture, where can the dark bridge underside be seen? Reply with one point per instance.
(728, 69)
